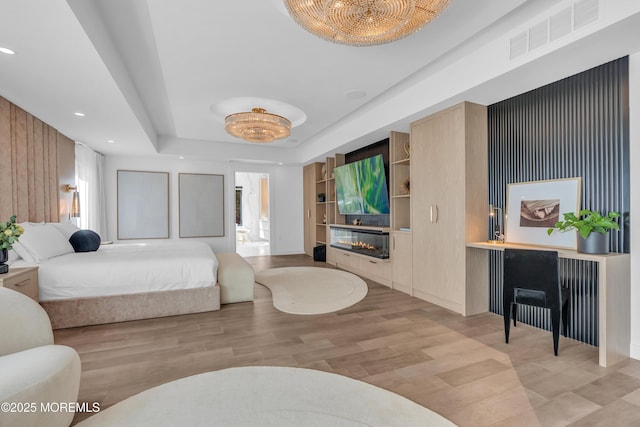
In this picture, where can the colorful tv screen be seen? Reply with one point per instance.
(361, 187)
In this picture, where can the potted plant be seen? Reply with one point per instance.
(592, 229)
(10, 232)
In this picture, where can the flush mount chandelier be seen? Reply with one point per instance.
(364, 22)
(257, 126)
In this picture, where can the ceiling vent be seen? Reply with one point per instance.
(538, 35)
(579, 14)
(518, 45)
(585, 12)
(560, 24)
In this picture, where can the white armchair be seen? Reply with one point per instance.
(33, 370)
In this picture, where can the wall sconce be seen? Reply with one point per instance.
(75, 203)
(499, 235)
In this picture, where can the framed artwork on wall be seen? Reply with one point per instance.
(143, 205)
(201, 205)
(535, 206)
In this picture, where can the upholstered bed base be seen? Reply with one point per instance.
(121, 308)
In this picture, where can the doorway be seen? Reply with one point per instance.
(253, 229)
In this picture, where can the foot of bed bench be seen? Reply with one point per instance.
(236, 278)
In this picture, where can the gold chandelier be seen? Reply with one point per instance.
(257, 126)
(364, 22)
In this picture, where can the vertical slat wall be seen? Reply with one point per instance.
(29, 184)
(576, 127)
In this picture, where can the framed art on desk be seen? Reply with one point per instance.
(535, 206)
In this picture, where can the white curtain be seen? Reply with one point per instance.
(90, 182)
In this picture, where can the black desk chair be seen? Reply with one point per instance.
(532, 278)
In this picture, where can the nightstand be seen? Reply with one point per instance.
(23, 280)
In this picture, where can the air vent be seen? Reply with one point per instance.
(560, 24)
(518, 45)
(538, 35)
(585, 12)
(579, 14)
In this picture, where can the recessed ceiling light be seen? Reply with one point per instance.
(355, 94)
(7, 51)
(181, 157)
(111, 141)
(79, 114)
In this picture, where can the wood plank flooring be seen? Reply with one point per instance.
(459, 367)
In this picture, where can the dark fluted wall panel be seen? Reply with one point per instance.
(576, 127)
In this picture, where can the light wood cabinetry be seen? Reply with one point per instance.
(402, 262)
(400, 171)
(310, 174)
(23, 280)
(371, 268)
(400, 184)
(449, 194)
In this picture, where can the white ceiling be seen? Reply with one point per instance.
(158, 76)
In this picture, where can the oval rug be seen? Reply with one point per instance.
(312, 290)
(266, 396)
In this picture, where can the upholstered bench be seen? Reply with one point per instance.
(236, 278)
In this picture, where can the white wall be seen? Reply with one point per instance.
(285, 190)
(634, 176)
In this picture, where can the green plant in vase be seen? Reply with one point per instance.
(10, 232)
(592, 229)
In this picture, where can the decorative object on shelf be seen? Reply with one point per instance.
(592, 229)
(321, 197)
(407, 150)
(324, 171)
(405, 186)
(324, 218)
(499, 234)
(358, 23)
(10, 232)
(257, 126)
(533, 207)
(356, 221)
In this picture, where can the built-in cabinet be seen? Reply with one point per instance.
(438, 198)
(448, 206)
(310, 176)
(400, 185)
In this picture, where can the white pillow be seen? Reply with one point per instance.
(66, 228)
(13, 256)
(43, 242)
(22, 252)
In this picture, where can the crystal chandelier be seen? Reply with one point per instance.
(364, 22)
(257, 126)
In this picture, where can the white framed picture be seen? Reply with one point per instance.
(534, 207)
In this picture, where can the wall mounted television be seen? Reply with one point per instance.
(361, 187)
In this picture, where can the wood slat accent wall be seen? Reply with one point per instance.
(578, 126)
(30, 184)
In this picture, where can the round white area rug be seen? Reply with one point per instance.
(312, 290)
(266, 396)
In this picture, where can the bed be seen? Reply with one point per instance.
(118, 282)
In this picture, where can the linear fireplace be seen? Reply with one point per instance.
(370, 242)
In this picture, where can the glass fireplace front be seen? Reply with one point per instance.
(372, 243)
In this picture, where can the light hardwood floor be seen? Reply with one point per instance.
(459, 367)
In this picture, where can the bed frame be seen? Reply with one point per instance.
(121, 308)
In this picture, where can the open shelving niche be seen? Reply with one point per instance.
(400, 172)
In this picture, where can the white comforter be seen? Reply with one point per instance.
(127, 269)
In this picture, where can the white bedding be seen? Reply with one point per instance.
(126, 269)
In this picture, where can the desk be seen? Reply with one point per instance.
(614, 283)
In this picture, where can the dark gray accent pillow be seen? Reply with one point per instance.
(85, 241)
